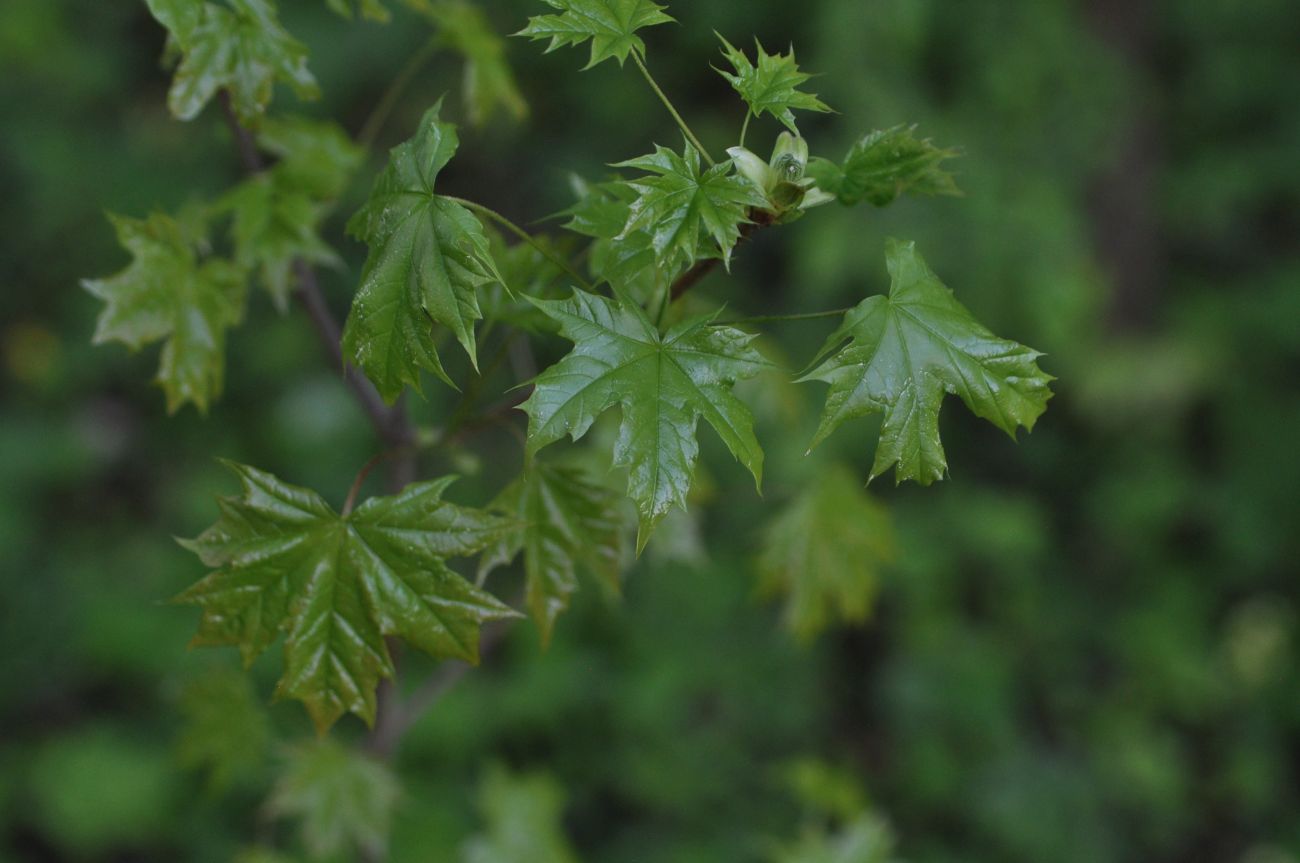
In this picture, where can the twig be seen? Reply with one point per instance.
(688, 279)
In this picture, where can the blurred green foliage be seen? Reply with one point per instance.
(1085, 648)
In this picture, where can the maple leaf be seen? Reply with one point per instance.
(429, 257)
(565, 521)
(524, 814)
(678, 201)
(239, 46)
(884, 165)
(335, 585)
(663, 383)
(611, 26)
(772, 86)
(167, 294)
(624, 259)
(905, 352)
(824, 552)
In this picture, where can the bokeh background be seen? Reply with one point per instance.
(1085, 648)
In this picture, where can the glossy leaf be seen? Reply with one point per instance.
(566, 522)
(287, 564)
(524, 821)
(824, 552)
(771, 86)
(342, 798)
(168, 294)
(429, 258)
(678, 203)
(236, 45)
(884, 165)
(611, 26)
(663, 383)
(905, 352)
(488, 83)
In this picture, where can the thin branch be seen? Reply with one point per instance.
(803, 316)
(688, 279)
(663, 97)
(379, 115)
(523, 235)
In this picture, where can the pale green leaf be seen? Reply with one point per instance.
(884, 165)
(429, 258)
(905, 352)
(287, 564)
(317, 158)
(236, 45)
(611, 26)
(663, 383)
(371, 9)
(225, 732)
(168, 294)
(524, 821)
(824, 551)
(865, 839)
(565, 522)
(678, 205)
(772, 86)
(488, 83)
(342, 798)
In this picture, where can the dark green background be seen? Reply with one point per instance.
(1087, 648)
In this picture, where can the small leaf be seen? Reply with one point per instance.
(772, 86)
(167, 294)
(663, 383)
(524, 815)
(678, 202)
(238, 46)
(565, 521)
(824, 552)
(611, 26)
(905, 352)
(429, 257)
(884, 165)
(334, 585)
(625, 260)
(343, 798)
(488, 83)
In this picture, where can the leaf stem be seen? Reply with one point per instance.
(805, 316)
(379, 114)
(523, 235)
(681, 124)
(744, 127)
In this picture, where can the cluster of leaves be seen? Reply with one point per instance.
(335, 584)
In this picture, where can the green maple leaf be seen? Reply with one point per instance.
(239, 46)
(905, 352)
(772, 86)
(565, 521)
(625, 259)
(884, 165)
(488, 83)
(343, 798)
(824, 552)
(226, 730)
(276, 214)
(663, 382)
(335, 585)
(429, 258)
(678, 202)
(167, 294)
(611, 26)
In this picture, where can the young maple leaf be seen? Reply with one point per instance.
(663, 383)
(772, 86)
(883, 165)
(905, 352)
(334, 585)
(611, 26)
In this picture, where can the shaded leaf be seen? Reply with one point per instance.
(625, 260)
(334, 585)
(824, 551)
(663, 383)
(343, 799)
(611, 26)
(524, 821)
(237, 45)
(488, 83)
(226, 732)
(566, 522)
(678, 202)
(884, 165)
(167, 294)
(865, 839)
(372, 9)
(905, 352)
(772, 86)
(429, 257)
